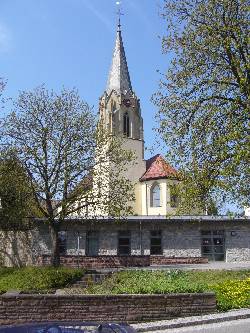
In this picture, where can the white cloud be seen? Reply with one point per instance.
(5, 39)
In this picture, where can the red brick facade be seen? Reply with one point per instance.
(100, 262)
(115, 308)
(161, 260)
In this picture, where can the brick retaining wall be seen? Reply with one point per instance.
(117, 308)
(161, 260)
(98, 262)
(107, 261)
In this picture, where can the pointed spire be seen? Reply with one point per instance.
(119, 79)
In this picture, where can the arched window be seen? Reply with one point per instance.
(110, 122)
(126, 124)
(114, 107)
(155, 195)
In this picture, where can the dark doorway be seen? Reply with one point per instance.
(92, 242)
(213, 244)
(124, 243)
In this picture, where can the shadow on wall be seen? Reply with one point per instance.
(16, 248)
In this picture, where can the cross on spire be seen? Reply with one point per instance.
(119, 14)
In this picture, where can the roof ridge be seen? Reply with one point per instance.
(155, 170)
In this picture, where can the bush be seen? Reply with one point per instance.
(146, 282)
(232, 294)
(232, 288)
(37, 278)
(6, 271)
(217, 276)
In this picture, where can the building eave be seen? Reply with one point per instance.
(157, 178)
(156, 218)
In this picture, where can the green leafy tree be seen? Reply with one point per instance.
(203, 99)
(15, 195)
(56, 138)
(17, 203)
(2, 86)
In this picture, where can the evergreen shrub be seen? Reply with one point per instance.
(37, 278)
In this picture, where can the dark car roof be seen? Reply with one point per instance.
(68, 327)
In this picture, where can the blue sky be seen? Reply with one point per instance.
(70, 43)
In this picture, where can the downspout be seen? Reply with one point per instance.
(78, 248)
(140, 238)
(146, 199)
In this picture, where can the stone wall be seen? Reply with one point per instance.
(21, 248)
(15, 248)
(116, 308)
(179, 240)
(237, 243)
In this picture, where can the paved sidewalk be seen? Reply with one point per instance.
(218, 265)
(192, 321)
(211, 265)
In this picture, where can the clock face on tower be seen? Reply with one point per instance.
(127, 102)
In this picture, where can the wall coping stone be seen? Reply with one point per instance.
(12, 293)
(105, 296)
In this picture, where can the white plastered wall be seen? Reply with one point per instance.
(165, 208)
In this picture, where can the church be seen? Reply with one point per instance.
(120, 114)
(154, 234)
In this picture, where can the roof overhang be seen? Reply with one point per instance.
(156, 218)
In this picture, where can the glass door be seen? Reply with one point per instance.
(212, 244)
(92, 243)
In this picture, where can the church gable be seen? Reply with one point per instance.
(157, 168)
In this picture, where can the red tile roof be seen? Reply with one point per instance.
(157, 167)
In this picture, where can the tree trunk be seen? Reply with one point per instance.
(55, 252)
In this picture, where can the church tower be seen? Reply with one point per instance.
(120, 109)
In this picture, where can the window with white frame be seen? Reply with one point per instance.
(155, 195)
